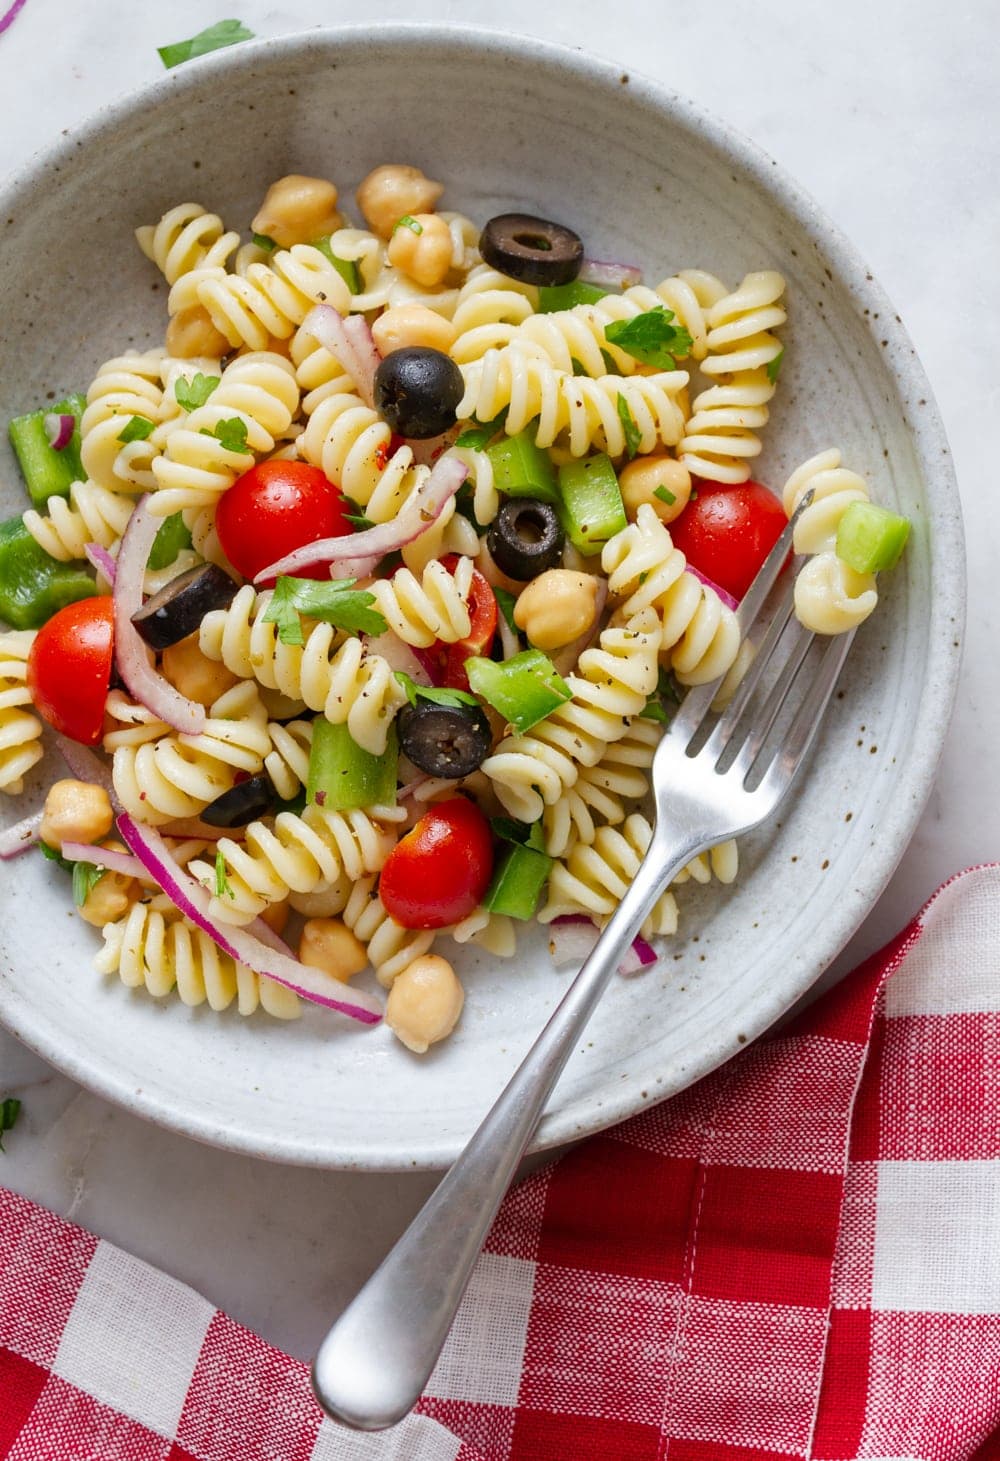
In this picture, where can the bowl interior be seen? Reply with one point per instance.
(641, 175)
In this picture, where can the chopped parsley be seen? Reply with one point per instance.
(444, 696)
(521, 834)
(479, 436)
(86, 876)
(190, 394)
(774, 366)
(665, 495)
(650, 337)
(653, 710)
(408, 221)
(264, 242)
(136, 429)
(231, 434)
(633, 436)
(578, 369)
(667, 688)
(505, 603)
(10, 1110)
(337, 603)
(223, 33)
(222, 888)
(55, 856)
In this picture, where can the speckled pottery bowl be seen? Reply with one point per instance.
(640, 173)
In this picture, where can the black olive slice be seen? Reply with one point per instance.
(531, 250)
(242, 803)
(525, 538)
(444, 740)
(417, 390)
(178, 609)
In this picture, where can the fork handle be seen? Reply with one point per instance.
(376, 1360)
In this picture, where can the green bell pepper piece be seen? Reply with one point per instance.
(524, 689)
(34, 586)
(592, 508)
(517, 882)
(522, 469)
(47, 472)
(342, 775)
(870, 539)
(555, 297)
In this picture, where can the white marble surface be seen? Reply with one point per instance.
(889, 114)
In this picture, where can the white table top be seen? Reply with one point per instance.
(889, 115)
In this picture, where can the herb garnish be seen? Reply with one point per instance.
(86, 876)
(408, 221)
(231, 434)
(337, 603)
(522, 834)
(222, 887)
(264, 242)
(650, 337)
(190, 394)
(223, 33)
(633, 436)
(665, 495)
(436, 696)
(774, 366)
(136, 429)
(505, 603)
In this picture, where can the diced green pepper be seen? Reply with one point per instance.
(518, 880)
(522, 469)
(346, 268)
(342, 775)
(524, 689)
(592, 508)
(871, 539)
(34, 586)
(47, 472)
(554, 297)
(172, 536)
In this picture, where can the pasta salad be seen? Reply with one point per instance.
(359, 604)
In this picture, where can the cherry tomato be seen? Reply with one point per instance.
(438, 873)
(727, 532)
(483, 614)
(69, 668)
(275, 508)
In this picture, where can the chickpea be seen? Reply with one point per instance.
(557, 607)
(413, 324)
(328, 944)
(424, 1003)
(191, 333)
(275, 915)
(644, 477)
(391, 192)
(298, 209)
(422, 249)
(75, 811)
(109, 898)
(194, 674)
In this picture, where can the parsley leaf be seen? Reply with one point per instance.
(667, 688)
(223, 33)
(10, 1110)
(653, 710)
(415, 692)
(665, 495)
(190, 394)
(633, 436)
(774, 366)
(231, 434)
(610, 365)
(408, 221)
(479, 436)
(222, 888)
(54, 856)
(578, 369)
(264, 242)
(86, 876)
(336, 603)
(522, 834)
(505, 603)
(650, 337)
(356, 515)
(137, 429)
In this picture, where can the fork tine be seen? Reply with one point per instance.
(807, 719)
(730, 716)
(765, 717)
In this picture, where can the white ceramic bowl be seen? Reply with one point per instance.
(640, 173)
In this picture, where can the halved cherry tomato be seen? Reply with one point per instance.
(69, 668)
(275, 508)
(439, 872)
(727, 532)
(479, 640)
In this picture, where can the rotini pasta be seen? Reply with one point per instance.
(268, 301)
(353, 446)
(287, 762)
(435, 606)
(594, 877)
(390, 946)
(830, 597)
(20, 747)
(601, 791)
(186, 237)
(127, 386)
(92, 514)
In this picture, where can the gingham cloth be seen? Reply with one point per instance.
(798, 1258)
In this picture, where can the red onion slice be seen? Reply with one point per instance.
(241, 944)
(424, 506)
(85, 766)
(17, 839)
(573, 936)
(115, 862)
(59, 428)
(399, 656)
(609, 275)
(102, 560)
(329, 327)
(722, 593)
(358, 335)
(131, 655)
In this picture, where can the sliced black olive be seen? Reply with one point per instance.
(444, 740)
(242, 803)
(525, 538)
(178, 609)
(532, 250)
(418, 390)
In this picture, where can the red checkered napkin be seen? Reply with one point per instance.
(797, 1258)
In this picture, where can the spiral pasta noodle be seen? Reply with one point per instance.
(195, 468)
(185, 238)
(162, 952)
(268, 301)
(721, 434)
(493, 932)
(594, 877)
(586, 413)
(601, 791)
(391, 947)
(699, 634)
(830, 596)
(178, 775)
(342, 680)
(489, 309)
(434, 606)
(126, 386)
(20, 748)
(353, 445)
(91, 515)
(610, 686)
(287, 762)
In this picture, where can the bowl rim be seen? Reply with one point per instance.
(946, 611)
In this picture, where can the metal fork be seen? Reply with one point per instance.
(710, 781)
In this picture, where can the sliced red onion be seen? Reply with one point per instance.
(399, 656)
(85, 766)
(115, 862)
(609, 275)
(421, 509)
(433, 668)
(573, 936)
(131, 654)
(102, 560)
(329, 327)
(358, 334)
(59, 428)
(17, 839)
(722, 593)
(566, 658)
(242, 944)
